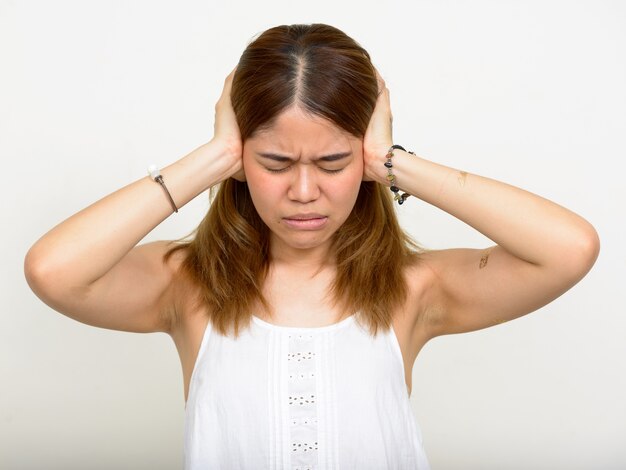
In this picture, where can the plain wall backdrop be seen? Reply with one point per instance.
(531, 93)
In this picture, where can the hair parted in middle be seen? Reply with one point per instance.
(320, 69)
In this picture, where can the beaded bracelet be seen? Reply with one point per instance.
(392, 178)
(155, 174)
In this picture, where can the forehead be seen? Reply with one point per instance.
(293, 129)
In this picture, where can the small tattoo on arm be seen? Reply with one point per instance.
(462, 177)
(484, 259)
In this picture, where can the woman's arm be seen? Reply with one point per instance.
(542, 249)
(90, 268)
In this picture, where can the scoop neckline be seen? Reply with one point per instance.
(332, 326)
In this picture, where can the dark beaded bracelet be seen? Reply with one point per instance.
(391, 178)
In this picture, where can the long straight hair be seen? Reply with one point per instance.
(328, 74)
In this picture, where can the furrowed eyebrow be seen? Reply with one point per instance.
(326, 158)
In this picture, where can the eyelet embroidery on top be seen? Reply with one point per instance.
(303, 446)
(307, 420)
(304, 356)
(302, 401)
(302, 376)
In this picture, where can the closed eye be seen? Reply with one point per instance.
(285, 169)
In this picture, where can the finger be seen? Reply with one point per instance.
(228, 82)
(229, 78)
(381, 82)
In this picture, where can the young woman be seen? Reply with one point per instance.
(299, 305)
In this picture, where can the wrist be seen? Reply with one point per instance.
(374, 160)
(396, 159)
(228, 151)
(209, 164)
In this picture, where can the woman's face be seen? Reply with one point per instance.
(303, 167)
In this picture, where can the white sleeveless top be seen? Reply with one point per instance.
(291, 398)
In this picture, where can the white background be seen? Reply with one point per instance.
(531, 93)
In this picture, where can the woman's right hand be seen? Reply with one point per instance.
(226, 128)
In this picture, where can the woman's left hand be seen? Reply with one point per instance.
(378, 136)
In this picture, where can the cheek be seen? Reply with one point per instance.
(262, 189)
(348, 188)
(356, 175)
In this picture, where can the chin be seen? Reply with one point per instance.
(305, 240)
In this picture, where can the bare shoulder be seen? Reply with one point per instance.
(167, 274)
(181, 290)
(170, 271)
(420, 278)
(423, 302)
(187, 313)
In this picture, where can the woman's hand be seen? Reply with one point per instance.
(378, 136)
(226, 129)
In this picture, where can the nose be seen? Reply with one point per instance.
(304, 187)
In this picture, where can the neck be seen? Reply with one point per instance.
(307, 260)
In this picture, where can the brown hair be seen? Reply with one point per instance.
(326, 73)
